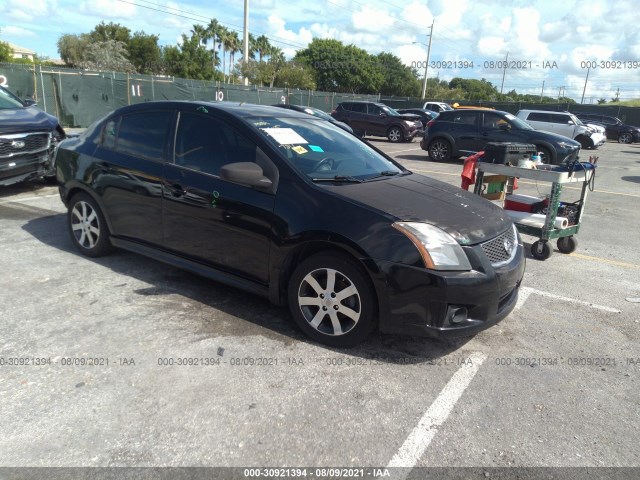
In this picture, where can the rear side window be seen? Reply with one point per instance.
(560, 119)
(465, 118)
(359, 107)
(142, 134)
(538, 117)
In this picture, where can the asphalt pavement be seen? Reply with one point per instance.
(124, 361)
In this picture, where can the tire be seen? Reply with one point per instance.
(439, 150)
(625, 137)
(546, 154)
(87, 226)
(317, 306)
(395, 135)
(567, 244)
(541, 250)
(585, 142)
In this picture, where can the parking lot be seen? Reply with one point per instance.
(124, 361)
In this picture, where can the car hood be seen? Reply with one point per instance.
(18, 120)
(410, 116)
(468, 218)
(553, 137)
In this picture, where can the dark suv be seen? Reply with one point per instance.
(27, 139)
(378, 120)
(459, 132)
(616, 128)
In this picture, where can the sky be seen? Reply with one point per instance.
(549, 46)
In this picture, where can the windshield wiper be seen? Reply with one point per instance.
(385, 173)
(338, 178)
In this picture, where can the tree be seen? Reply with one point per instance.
(399, 79)
(232, 45)
(144, 52)
(107, 55)
(601, 101)
(6, 53)
(111, 31)
(341, 68)
(262, 46)
(295, 75)
(72, 48)
(475, 89)
(190, 60)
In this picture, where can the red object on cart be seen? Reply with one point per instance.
(469, 171)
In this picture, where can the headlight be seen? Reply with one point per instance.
(438, 249)
(409, 124)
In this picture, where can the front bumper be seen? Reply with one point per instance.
(439, 304)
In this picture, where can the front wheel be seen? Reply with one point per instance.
(440, 150)
(545, 156)
(331, 300)
(87, 226)
(395, 135)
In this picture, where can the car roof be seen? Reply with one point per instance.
(243, 110)
(563, 112)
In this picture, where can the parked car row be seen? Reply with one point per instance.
(615, 128)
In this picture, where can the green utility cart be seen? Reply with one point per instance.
(558, 176)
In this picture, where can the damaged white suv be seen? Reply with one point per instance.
(563, 123)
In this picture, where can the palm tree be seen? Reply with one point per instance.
(199, 32)
(212, 31)
(232, 45)
(262, 46)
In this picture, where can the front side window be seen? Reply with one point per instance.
(144, 134)
(205, 144)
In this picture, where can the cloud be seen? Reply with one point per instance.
(27, 12)
(371, 20)
(108, 9)
(14, 31)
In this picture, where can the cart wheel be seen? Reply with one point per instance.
(567, 244)
(541, 250)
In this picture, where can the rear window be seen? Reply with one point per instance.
(538, 117)
(144, 134)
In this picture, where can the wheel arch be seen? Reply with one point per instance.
(73, 188)
(326, 243)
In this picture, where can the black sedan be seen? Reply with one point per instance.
(316, 112)
(28, 137)
(286, 206)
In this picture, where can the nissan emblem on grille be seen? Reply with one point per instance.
(508, 246)
(18, 144)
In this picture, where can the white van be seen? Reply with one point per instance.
(563, 123)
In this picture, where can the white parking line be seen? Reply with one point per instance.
(524, 293)
(405, 150)
(415, 445)
(26, 199)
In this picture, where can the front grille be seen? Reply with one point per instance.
(22, 144)
(496, 249)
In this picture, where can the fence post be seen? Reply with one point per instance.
(44, 96)
(128, 91)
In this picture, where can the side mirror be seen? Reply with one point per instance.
(245, 173)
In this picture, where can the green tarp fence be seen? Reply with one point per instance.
(79, 97)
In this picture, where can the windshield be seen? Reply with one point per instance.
(7, 100)
(390, 111)
(518, 123)
(318, 113)
(322, 151)
(576, 120)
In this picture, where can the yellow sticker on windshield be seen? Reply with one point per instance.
(299, 149)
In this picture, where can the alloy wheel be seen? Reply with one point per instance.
(85, 225)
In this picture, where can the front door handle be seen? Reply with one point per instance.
(176, 190)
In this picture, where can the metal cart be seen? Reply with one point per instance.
(566, 243)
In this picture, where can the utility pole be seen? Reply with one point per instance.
(560, 93)
(585, 85)
(542, 92)
(426, 65)
(504, 72)
(245, 47)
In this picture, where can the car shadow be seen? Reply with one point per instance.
(243, 314)
(419, 158)
(631, 152)
(22, 187)
(633, 179)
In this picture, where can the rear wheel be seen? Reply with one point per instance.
(87, 226)
(625, 138)
(395, 135)
(440, 150)
(332, 300)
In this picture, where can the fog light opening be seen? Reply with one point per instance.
(457, 315)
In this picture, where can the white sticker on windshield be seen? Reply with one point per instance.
(284, 136)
